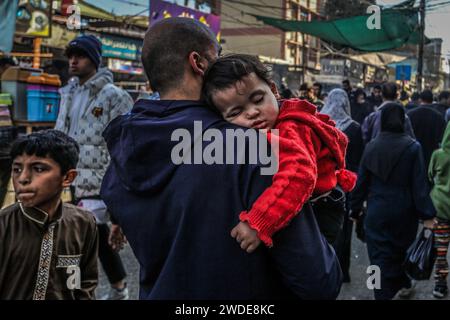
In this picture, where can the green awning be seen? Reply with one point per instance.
(398, 27)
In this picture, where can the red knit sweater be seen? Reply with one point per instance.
(311, 161)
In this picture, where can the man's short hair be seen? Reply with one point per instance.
(389, 91)
(229, 69)
(426, 96)
(346, 81)
(444, 95)
(166, 48)
(49, 144)
(377, 87)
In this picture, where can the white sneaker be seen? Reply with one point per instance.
(117, 294)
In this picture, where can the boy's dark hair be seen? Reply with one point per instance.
(389, 91)
(228, 70)
(346, 81)
(48, 143)
(166, 47)
(426, 96)
(378, 87)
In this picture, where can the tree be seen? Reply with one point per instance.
(337, 9)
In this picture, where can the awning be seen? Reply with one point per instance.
(398, 27)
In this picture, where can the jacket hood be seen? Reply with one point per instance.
(321, 124)
(141, 142)
(95, 84)
(446, 139)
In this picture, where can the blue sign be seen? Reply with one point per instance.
(403, 72)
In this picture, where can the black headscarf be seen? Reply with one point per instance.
(383, 153)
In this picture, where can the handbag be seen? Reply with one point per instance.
(421, 256)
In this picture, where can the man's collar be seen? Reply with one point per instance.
(40, 216)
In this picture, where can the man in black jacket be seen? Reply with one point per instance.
(177, 212)
(428, 125)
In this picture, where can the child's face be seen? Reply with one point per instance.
(250, 103)
(38, 181)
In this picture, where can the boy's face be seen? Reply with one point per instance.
(250, 103)
(38, 181)
(80, 65)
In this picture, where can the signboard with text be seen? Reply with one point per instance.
(161, 9)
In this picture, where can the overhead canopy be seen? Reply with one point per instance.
(398, 27)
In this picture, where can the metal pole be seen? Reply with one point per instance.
(421, 45)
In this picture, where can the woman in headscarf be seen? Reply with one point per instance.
(338, 108)
(392, 180)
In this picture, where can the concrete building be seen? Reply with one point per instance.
(295, 57)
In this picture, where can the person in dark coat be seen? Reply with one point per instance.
(428, 125)
(375, 99)
(338, 108)
(371, 126)
(361, 108)
(443, 103)
(177, 212)
(414, 103)
(392, 179)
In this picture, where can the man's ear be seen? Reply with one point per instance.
(69, 177)
(198, 63)
(274, 89)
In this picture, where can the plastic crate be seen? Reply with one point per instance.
(42, 105)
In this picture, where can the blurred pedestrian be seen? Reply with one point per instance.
(375, 99)
(372, 125)
(443, 103)
(414, 102)
(360, 107)
(338, 108)
(428, 125)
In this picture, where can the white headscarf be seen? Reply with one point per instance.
(338, 108)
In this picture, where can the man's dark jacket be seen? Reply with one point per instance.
(178, 218)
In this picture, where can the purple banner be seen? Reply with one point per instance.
(161, 9)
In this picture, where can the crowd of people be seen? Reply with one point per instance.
(378, 162)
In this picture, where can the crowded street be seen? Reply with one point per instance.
(236, 150)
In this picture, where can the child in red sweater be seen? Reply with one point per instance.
(311, 149)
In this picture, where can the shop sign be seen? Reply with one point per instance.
(116, 47)
(161, 9)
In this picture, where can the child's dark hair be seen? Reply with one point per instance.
(228, 70)
(49, 143)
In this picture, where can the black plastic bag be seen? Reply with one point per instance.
(420, 256)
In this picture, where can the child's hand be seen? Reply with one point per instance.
(246, 236)
(116, 239)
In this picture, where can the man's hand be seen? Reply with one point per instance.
(430, 223)
(246, 236)
(116, 238)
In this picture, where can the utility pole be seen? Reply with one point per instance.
(419, 79)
